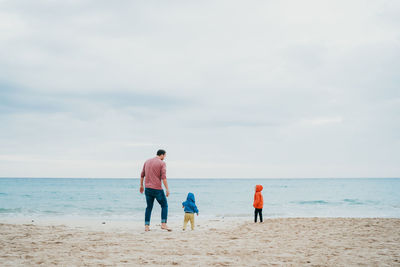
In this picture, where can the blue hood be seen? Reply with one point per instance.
(190, 204)
(190, 197)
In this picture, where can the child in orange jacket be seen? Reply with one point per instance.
(258, 203)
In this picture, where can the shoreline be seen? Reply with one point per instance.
(97, 224)
(107, 224)
(283, 241)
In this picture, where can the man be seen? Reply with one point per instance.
(155, 171)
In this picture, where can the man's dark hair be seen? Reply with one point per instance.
(161, 152)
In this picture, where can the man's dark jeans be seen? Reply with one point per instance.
(159, 195)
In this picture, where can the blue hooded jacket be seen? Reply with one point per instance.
(190, 204)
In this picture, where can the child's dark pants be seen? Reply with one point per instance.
(258, 211)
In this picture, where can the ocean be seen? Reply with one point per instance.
(119, 199)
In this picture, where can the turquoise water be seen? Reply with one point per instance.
(119, 199)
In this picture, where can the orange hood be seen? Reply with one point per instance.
(259, 188)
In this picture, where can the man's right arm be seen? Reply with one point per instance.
(141, 180)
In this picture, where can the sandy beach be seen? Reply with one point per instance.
(276, 242)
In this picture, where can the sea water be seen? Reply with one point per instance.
(119, 199)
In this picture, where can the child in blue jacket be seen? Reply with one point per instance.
(190, 209)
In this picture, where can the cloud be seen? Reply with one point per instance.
(322, 121)
(139, 144)
(228, 88)
(15, 99)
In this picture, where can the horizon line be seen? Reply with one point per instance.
(211, 178)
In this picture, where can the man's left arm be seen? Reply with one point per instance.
(164, 177)
(166, 186)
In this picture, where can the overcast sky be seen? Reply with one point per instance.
(229, 88)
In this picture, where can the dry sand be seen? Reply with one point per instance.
(276, 242)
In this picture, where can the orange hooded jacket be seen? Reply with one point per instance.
(258, 198)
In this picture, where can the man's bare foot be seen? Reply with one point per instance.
(165, 227)
(147, 228)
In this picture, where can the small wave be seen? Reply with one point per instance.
(352, 201)
(95, 209)
(15, 210)
(51, 212)
(372, 202)
(312, 202)
(234, 215)
(3, 194)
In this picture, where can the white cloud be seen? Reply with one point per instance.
(322, 121)
(229, 89)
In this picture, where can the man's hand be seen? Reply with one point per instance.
(166, 186)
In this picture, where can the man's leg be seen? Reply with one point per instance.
(261, 218)
(255, 215)
(162, 200)
(149, 208)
